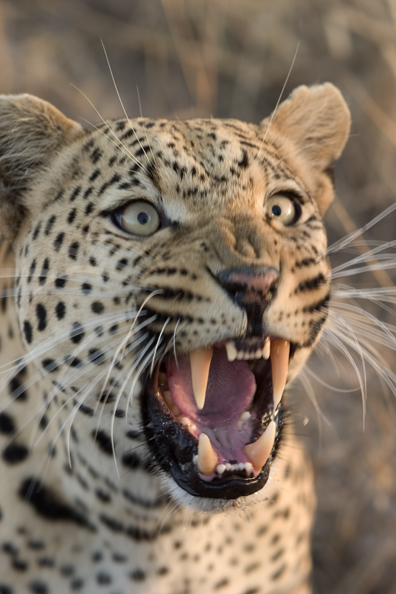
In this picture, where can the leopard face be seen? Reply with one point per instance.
(171, 276)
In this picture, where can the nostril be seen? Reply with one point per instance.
(252, 289)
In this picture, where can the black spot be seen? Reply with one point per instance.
(73, 250)
(7, 424)
(104, 497)
(97, 307)
(131, 460)
(61, 281)
(36, 545)
(93, 261)
(20, 564)
(4, 589)
(121, 264)
(277, 555)
(10, 549)
(38, 587)
(71, 216)
(112, 523)
(77, 333)
(278, 574)
(60, 310)
(311, 284)
(244, 162)
(75, 193)
(97, 556)
(76, 584)
(87, 193)
(49, 364)
(66, 570)
(31, 271)
(94, 175)
(96, 155)
(137, 575)
(222, 584)
(44, 272)
(16, 389)
(48, 504)
(86, 288)
(15, 453)
(103, 578)
(49, 225)
(86, 410)
(58, 241)
(103, 440)
(36, 232)
(28, 331)
(89, 208)
(41, 313)
(96, 356)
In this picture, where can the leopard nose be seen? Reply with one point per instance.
(252, 288)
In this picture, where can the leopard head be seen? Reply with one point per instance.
(176, 272)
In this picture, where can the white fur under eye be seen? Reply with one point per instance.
(282, 209)
(139, 218)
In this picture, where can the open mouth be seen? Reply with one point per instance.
(213, 416)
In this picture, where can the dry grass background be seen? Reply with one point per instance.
(230, 58)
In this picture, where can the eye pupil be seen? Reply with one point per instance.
(143, 218)
(276, 210)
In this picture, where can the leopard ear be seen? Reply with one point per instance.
(32, 132)
(317, 122)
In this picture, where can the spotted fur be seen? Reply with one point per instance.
(87, 503)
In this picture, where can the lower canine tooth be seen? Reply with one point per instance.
(259, 451)
(207, 457)
(280, 350)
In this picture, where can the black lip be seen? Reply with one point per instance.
(173, 448)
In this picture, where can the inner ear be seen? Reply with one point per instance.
(32, 132)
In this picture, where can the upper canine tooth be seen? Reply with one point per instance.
(200, 365)
(207, 457)
(280, 350)
(231, 351)
(259, 451)
(266, 349)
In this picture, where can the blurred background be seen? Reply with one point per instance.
(231, 58)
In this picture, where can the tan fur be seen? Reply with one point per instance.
(92, 495)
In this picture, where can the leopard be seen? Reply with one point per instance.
(163, 282)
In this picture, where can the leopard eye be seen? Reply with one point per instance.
(282, 209)
(139, 218)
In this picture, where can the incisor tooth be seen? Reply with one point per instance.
(259, 451)
(231, 351)
(200, 365)
(280, 350)
(207, 457)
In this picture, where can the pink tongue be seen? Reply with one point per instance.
(231, 388)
